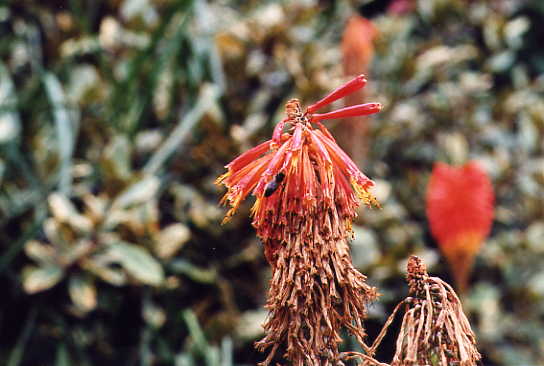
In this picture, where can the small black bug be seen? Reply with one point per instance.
(273, 185)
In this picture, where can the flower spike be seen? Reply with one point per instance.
(348, 88)
(307, 191)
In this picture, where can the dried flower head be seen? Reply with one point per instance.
(307, 190)
(460, 211)
(434, 330)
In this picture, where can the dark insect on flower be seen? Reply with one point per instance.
(273, 185)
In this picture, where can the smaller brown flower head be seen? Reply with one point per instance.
(434, 330)
(304, 183)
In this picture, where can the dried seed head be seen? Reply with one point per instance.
(416, 276)
(434, 331)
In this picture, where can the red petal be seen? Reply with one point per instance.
(249, 156)
(342, 91)
(352, 111)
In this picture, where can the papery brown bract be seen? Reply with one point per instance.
(304, 225)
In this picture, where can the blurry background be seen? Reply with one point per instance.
(116, 116)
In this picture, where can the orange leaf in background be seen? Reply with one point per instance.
(357, 51)
(357, 46)
(460, 204)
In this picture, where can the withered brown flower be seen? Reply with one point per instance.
(435, 330)
(307, 190)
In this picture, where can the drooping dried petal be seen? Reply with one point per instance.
(315, 292)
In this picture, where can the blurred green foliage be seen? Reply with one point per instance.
(117, 115)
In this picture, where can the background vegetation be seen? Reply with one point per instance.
(117, 115)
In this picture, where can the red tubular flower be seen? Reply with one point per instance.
(460, 212)
(307, 190)
(316, 175)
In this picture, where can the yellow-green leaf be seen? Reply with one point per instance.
(36, 279)
(82, 292)
(170, 239)
(138, 263)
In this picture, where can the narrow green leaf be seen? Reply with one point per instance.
(195, 330)
(66, 126)
(226, 351)
(2, 170)
(198, 274)
(17, 352)
(208, 96)
(211, 354)
(62, 358)
(10, 123)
